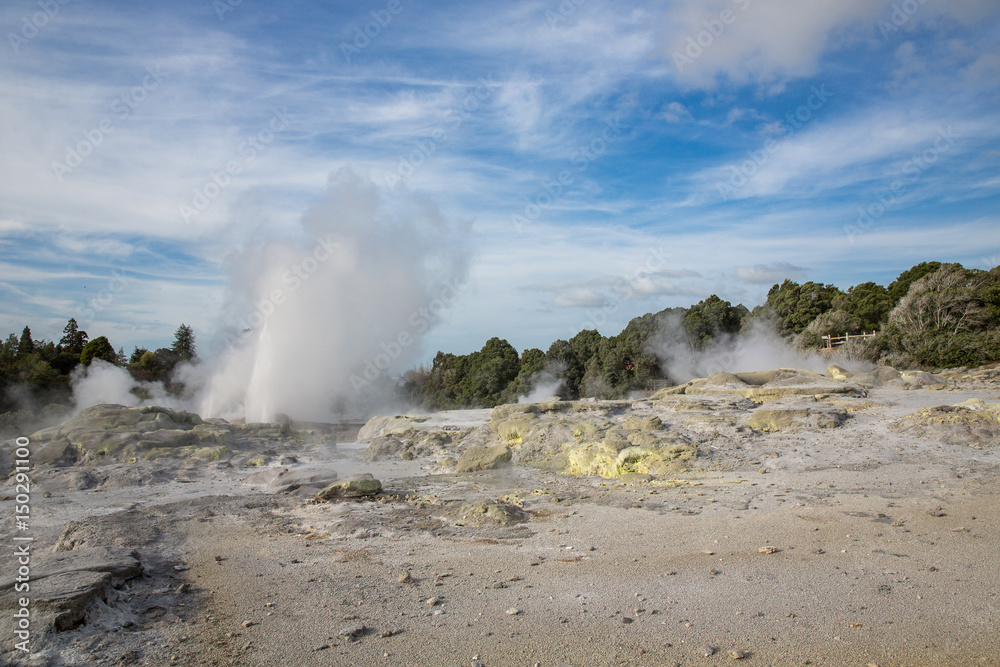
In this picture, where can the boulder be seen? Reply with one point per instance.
(491, 513)
(362, 486)
(794, 416)
(974, 423)
(483, 458)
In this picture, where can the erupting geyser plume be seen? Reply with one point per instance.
(326, 315)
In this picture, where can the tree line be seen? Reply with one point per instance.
(38, 372)
(933, 315)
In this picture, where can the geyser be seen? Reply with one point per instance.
(326, 315)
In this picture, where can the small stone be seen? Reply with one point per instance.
(219, 559)
(247, 624)
(706, 650)
(737, 654)
(352, 632)
(626, 620)
(768, 550)
(513, 611)
(431, 602)
(183, 588)
(405, 578)
(181, 568)
(936, 511)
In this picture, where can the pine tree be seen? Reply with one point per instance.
(25, 346)
(183, 345)
(73, 339)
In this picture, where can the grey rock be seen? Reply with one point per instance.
(483, 458)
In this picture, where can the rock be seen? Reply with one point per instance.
(49, 452)
(405, 578)
(513, 611)
(492, 513)
(737, 654)
(973, 423)
(307, 479)
(767, 550)
(362, 486)
(706, 650)
(120, 563)
(793, 415)
(766, 385)
(483, 458)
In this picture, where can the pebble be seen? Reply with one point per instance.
(767, 550)
(183, 588)
(706, 650)
(430, 602)
(247, 624)
(513, 611)
(737, 654)
(352, 631)
(405, 578)
(936, 511)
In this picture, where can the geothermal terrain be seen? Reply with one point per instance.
(770, 518)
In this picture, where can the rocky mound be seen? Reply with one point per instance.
(123, 434)
(974, 423)
(767, 385)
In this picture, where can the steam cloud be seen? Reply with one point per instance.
(759, 348)
(333, 313)
(325, 315)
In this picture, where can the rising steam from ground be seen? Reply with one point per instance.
(325, 319)
(545, 385)
(320, 319)
(759, 348)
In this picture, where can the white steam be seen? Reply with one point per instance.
(320, 320)
(326, 318)
(102, 382)
(758, 349)
(547, 387)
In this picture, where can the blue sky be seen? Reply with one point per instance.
(605, 159)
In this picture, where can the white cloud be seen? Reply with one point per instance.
(770, 273)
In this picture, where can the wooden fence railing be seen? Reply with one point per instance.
(836, 341)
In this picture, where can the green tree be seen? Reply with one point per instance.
(137, 355)
(868, 304)
(797, 305)
(901, 285)
(73, 338)
(184, 346)
(949, 317)
(712, 317)
(25, 346)
(99, 348)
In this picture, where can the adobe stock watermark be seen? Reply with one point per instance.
(453, 119)
(625, 289)
(97, 304)
(911, 172)
(22, 544)
(554, 189)
(121, 108)
(420, 320)
(203, 195)
(32, 25)
(901, 14)
(223, 7)
(704, 39)
(566, 9)
(292, 279)
(363, 35)
(793, 121)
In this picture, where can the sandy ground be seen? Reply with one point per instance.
(857, 545)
